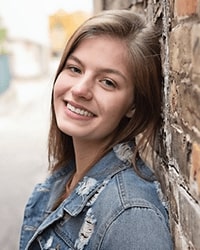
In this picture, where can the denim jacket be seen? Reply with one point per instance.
(111, 208)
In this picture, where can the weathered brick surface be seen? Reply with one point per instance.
(195, 43)
(195, 170)
(185, 7)
(189, 217)
(189, 109)
(178, 162)
(180, 48)
(180, 149)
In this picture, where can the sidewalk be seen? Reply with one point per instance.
(23, 92)
(24, 124)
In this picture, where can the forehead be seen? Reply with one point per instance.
(106, 38)
(104, 54)
(103, 46)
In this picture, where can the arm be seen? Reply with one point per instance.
(137, 228)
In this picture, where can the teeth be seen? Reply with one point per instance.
(79, 111)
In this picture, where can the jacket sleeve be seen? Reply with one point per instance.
(137, 228)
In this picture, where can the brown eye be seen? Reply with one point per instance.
(74, 69)
(108, 83)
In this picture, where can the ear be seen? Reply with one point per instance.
(130, 112)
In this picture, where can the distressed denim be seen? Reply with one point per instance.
(111, 208)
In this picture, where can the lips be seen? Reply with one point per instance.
(79, 110)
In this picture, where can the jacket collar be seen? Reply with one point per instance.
(98, 176)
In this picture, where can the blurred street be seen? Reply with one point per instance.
(29, 51)
(24, 124)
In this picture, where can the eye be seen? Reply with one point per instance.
(74, 69)
(108, 83)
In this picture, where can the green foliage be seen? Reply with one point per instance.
(3, 34)
(3, 37)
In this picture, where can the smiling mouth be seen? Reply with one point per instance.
(79, 111)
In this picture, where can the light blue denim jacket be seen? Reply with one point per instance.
(111, 208)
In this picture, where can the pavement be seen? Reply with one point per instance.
(24, 125)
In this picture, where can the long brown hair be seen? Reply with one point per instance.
(142, 40)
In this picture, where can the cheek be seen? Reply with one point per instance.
(56, 90)
(115, 114)
(57, 96)
(59, 87)
(122, 105)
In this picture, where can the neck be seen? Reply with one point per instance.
(85, 155)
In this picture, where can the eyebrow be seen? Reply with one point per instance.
(104, 70)
(75, 59)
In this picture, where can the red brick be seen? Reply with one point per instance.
(180, 48)
(185, 7)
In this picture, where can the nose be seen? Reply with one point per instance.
(83, 88)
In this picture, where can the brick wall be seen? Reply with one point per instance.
(178, 165)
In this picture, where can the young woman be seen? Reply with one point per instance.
(107, 93)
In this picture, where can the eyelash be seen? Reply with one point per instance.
(73, 69)
(108, 83)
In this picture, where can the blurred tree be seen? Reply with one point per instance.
(3, 37)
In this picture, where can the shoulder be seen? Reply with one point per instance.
(136, 228)
(130, 211)
(128, 189)
(132, 188)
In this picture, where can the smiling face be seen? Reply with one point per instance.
(94, 91)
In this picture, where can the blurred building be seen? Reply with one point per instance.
(28, 58)
(61, 27)
(36, 30)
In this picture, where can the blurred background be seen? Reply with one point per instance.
(32, 37)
